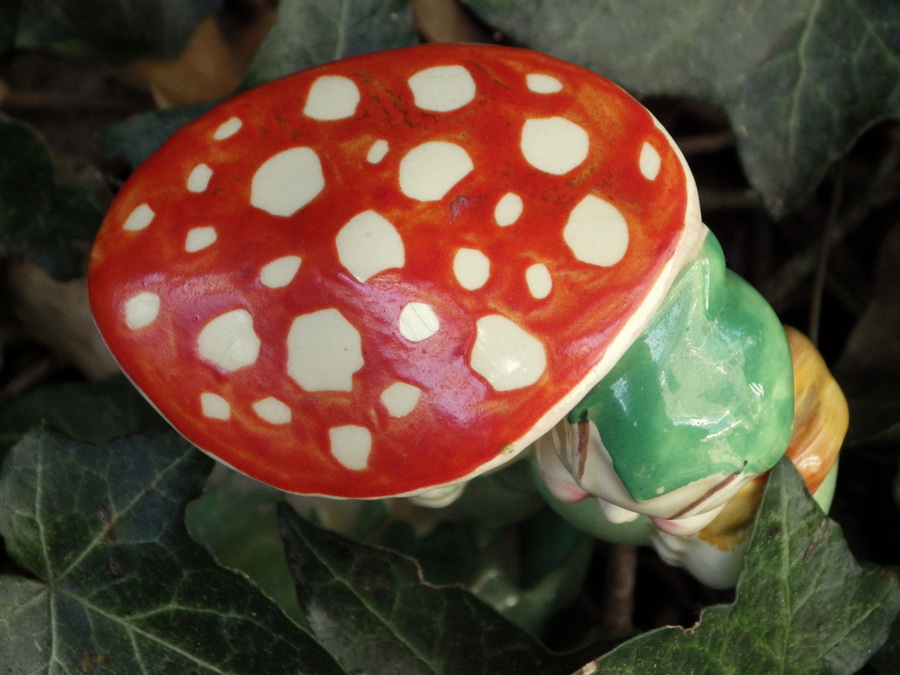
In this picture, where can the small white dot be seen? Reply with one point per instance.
(214, 406)
(543, 84)
(400, 399)
(378, 151)
(596, 232)
(418, 322)
(332, 97)
(472, 268)
(287, 181)
(280, 272)
(368, 244)
(229, 340)
(141, 310)
(139, 218)
(228, 129)
(508, 209)
(649, 162)
(442, 88)
(429, 171)
(554, 144)
(198, 181)
(506, 355)
(272, 410)
(324, 351)
(351, 446)
(199, 238)
(539, 281)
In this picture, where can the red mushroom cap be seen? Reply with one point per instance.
(395, 271)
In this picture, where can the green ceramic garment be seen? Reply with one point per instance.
(707, 388)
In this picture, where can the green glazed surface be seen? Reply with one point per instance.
(707, 388)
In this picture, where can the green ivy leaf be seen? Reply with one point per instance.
(118, 585)
(139, 136)
(800, 81)
(89, 412)
(311, 32)
(113, 31)
(51, 222)
(803, 604)
(887, 660)
(372, 610)
(235, 520)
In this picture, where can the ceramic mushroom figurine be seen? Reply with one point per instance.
(387, 275)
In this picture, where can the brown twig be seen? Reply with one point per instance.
(617, 608)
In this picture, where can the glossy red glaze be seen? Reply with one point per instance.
(461, 423)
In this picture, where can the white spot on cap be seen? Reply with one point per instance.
(280, 272)
(554, 144)
(332, 97)
(400, 399)
(596, 232)
(198, 181)
(139, 218)
(199, 238)
(539, 281)
(229, 341)
(228, 128)
(369, 244)
(351, 446)
(442, 88)
(214, 406)
(430, 170)
(472, 268)
(506, 355)
(287, 181)
(324, 350)
(649, 162)
(543, 84)
(508, 209)
(418, 322)
(378, 151)
(272, 410)
(141, 310)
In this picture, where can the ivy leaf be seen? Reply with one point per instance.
(90, 412)
(51, 222)
(887, 661)
(371, 609)
(113, 31)
(118, 585)
(803, 604)
(311, 32)
(800, 81)
(139, 136)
